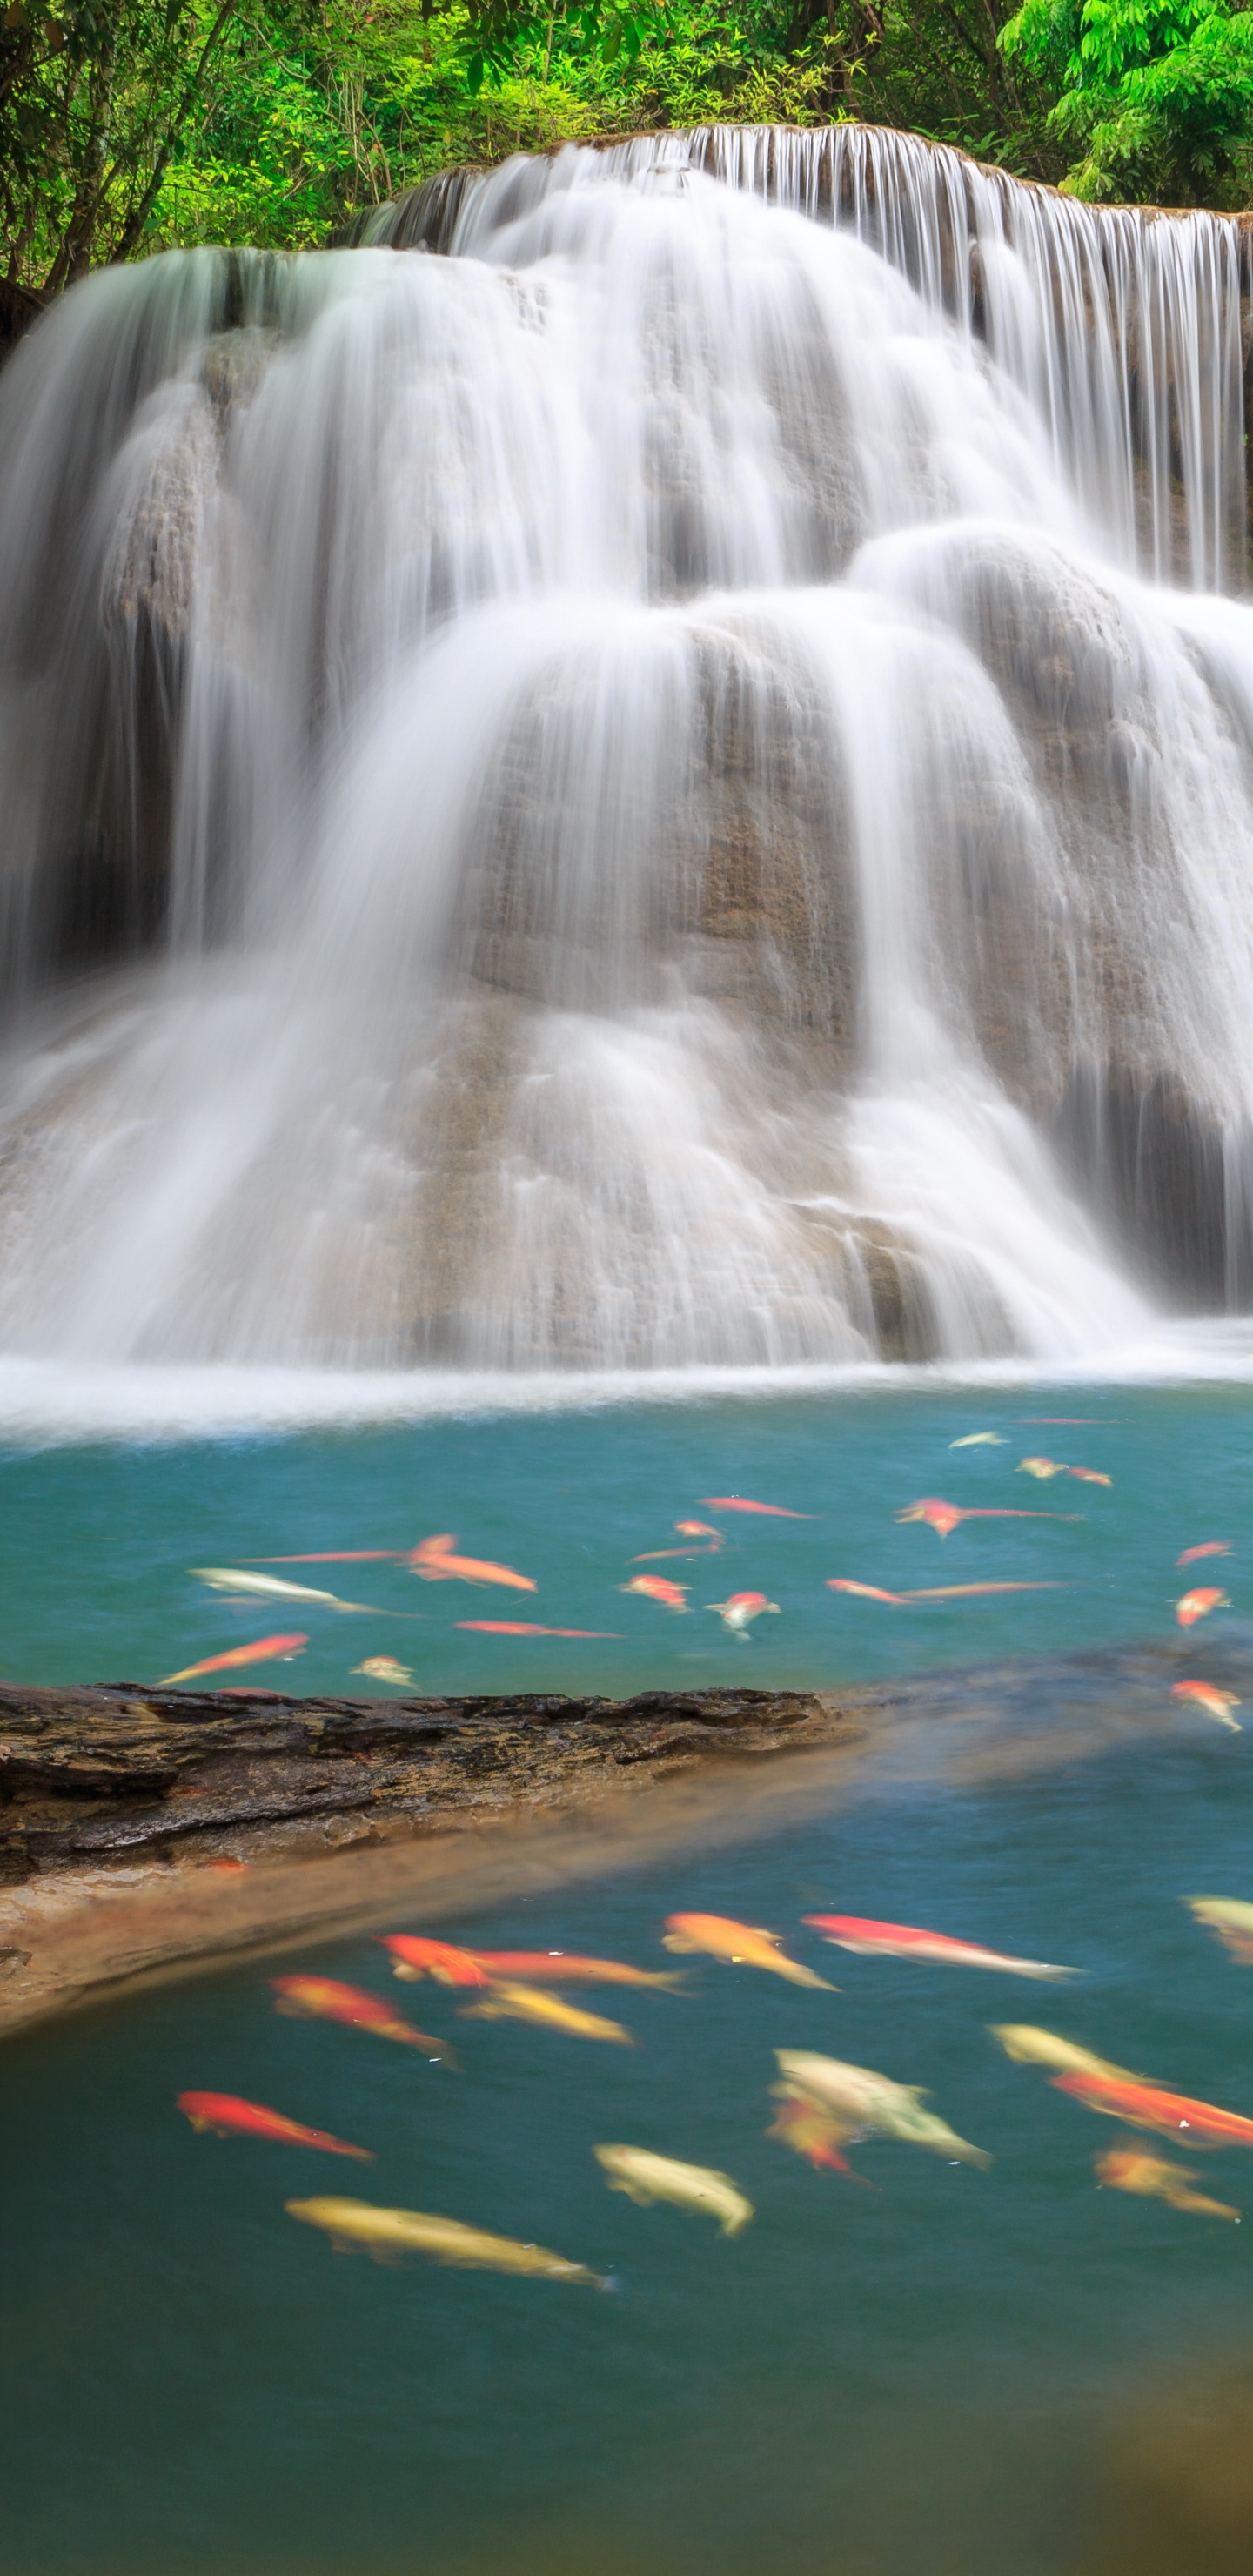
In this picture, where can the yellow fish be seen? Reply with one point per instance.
(1029, 2046)
(1156, 2178)
(384, 1668)
(506, 2001)
(1231, 1919)
(385, 2233)
(646, 2178)
(742, 1945)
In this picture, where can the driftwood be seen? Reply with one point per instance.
(121, 1774)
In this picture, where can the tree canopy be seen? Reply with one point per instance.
(133, 125)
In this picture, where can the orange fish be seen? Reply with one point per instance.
(1208, 1547)
(325, 1999)
(865, 1591)
(265, 1650)
(233, 1866)
(434, 1560)
(741, 1945)
(686, 1529)
(943, 1517)
(526, 1628)
(737, 1503)
(1216, 1703)
(1046, 1467)
(227, 2116)
(1150, 2106)
(562, 1967)
(812, 2132)
(1154, 2177)
(658, 1587)
(1198, 1605)
(413, 1957)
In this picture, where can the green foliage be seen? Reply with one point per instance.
(1158, 93)
(129, 125)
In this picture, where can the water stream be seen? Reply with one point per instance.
(667, 783)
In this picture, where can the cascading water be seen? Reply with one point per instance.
(633, 793)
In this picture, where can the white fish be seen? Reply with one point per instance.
(646, 2178)
(979, 1440)
(271, 1587)
(857, 2094)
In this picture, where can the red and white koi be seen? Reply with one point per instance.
(1217, 1704)
(1198, 1605)
(740, 1609)
(873, 1940)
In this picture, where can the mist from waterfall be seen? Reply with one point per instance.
(653, 767)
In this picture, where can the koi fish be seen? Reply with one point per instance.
(566, 1967)
(1155, 2178)
(1208, 1547)
(413, 1957)
(1045, 1467)
(225, 2115)
(435, 1561)
(526, 1628)
(811, 2132)
(943, 1517)
(265, 1650)
(741, 1945)
(979, 1440)
(385, 2233)
(866, 1591)
(1198, 1605)
(902, 1941)
(1231, 1919)
(658, 1587)
(874, 2102)
(685, 1529)
(1031, 2047)
(1151, 2106)
(384, 1668)
(325, 1999)
(739, 1610)
(646, 2178)
(964, 1591)
(1216, 1703)
(507, 2001)
(737, 1503)
(271, 1587)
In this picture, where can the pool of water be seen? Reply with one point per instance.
(920, 2368)
(926, 2368)
(97, 1542)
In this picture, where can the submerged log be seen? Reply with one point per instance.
(119, 1774)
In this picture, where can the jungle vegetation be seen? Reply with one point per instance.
(128, 126)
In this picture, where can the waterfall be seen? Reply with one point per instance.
(652, 766)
